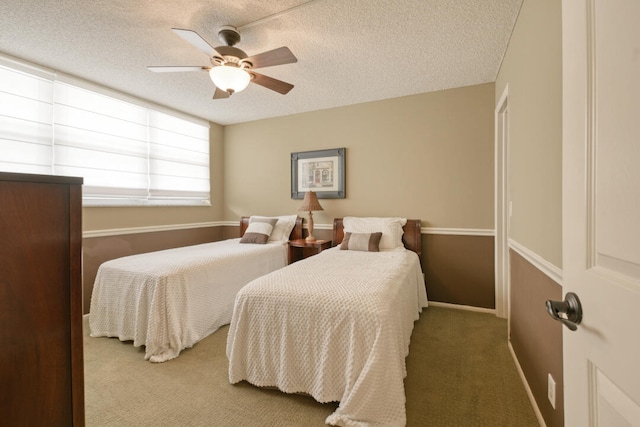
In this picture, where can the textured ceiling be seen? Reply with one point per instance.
(349, 51)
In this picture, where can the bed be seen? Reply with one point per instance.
(169, 300)
(336, 325)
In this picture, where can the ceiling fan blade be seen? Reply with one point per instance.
(219, 94)
(271, 83)
(279, 56)
(175, 69)
(196, 40)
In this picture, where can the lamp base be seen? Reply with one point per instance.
(310, 237)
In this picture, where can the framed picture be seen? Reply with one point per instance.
(321, 171)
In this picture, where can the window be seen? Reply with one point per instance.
(128, 154)
(26, 108)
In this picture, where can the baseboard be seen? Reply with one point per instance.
(532, 399)
(462, 307)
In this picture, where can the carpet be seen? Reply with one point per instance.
(459, 373)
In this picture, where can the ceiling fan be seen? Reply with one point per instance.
(231, 69)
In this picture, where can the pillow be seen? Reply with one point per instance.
(391, 229)
(367, 242)
(259, 230)
(283, 228)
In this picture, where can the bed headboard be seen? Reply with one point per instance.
(296, 233)
(412, 237)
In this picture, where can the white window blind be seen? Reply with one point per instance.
(128, 154)
(179, 158)
(25, 122)
(102, 139)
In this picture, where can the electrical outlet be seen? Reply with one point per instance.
(551, 391)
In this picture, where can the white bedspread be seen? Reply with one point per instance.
(169, 300)
(336, 326)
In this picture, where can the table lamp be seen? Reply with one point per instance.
(310, 204)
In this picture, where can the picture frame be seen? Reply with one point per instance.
(322, 171)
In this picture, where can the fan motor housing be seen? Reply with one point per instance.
(229, 35)
(231, 51)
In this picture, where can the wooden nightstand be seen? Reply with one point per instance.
(300, 248)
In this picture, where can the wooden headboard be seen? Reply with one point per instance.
(296, 233)
(412, 237)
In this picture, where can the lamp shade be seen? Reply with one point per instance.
(310, 202)
(229, 78)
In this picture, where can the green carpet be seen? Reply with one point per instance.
(460, 373)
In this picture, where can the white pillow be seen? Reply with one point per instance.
(391, 229)
(282, 229)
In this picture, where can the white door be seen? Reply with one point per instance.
(601, 210)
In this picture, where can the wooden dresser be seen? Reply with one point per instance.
(41, 356)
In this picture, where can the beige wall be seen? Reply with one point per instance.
(427, 156)
(532, 68)
(104, 218)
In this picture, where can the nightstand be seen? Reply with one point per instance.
(300, 248)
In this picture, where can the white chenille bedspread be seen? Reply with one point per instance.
(336, 326)
(169, 300)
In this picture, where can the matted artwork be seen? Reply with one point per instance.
(322, 171)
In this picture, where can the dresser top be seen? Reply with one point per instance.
(44, 179)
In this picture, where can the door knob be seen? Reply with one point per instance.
(569, 311)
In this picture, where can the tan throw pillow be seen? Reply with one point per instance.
(367, 242)
(259, 230)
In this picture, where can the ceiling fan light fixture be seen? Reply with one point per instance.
(231, 69)
(230, 78)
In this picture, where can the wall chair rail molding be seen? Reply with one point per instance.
(458, 231)
(156, 228)
(321, 226)
(434, 230)
(554, 273)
